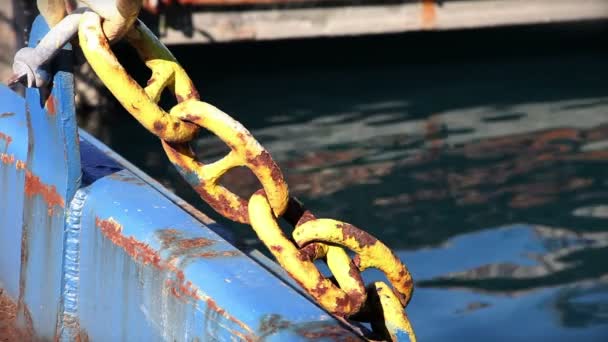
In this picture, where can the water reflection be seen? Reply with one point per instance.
(449, 173)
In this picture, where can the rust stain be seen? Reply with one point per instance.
(73, 324)
(179, 286)
(127, 178)
(9, 327)
(312, 252)
(51, 105)
(193, 94)
(146, 255)
(35, 187)
(313, 331)
(215, 254)
(363, 238)
(24, 258)
(139, 251)
(8, 139)
(272, 324)
(160, 127)
(193, 118)
(7, 158)
(211, 304)
(307, 216)
(264, 160)
(222, 205)
(429, 14)
(194, 243)
(20, 165)
(325, 331)
(319, 290)
(173, 241)
(277, 248)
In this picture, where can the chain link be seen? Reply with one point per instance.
(312, 238)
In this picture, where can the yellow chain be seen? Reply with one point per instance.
(378, 304)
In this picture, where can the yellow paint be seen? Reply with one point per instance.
(180, 125)
(132, 97)
(395, 319)
(376, 254)
(340, 265)
(245, 151)
(303, 271)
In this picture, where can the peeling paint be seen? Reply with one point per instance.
(312, 331)
(8, 139)
(72, 324)
(212, 305)
(7, 159)
(187, 249)
(178, 286)
(122, 177)
(10, 329)
(35, 187)
(139, 251)
(51, 105)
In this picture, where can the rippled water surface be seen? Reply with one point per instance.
(488, 176)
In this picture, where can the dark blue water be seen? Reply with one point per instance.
(485, 168)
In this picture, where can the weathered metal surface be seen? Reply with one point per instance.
(13, 153)
(52, 176)
(158, 273)
(116, 257)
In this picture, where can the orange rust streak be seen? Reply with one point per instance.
(429, 14)
(137, 250)
(6, 138)
(50, 105)
(7, 158)
(10, 158)
(34, 187)
(213, 305)
(179, 286)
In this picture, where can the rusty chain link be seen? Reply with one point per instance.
(345, 295)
